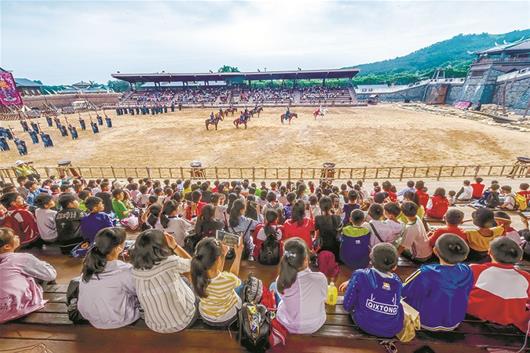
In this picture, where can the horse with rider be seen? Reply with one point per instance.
(288, 116)
(213, 119)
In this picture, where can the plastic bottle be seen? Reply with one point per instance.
(332, 294)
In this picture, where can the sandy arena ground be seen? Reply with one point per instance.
(383, 135)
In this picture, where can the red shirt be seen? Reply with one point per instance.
(526, 194)
(478, 189)
(450, 228)
(500, 294)
(392, 196)
(292, 229)
(423, 197)
(190, 215)
(439, 207)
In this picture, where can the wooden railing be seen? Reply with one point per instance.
(268, 173)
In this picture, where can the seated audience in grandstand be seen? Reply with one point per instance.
(218, 203)
(68, 223)
(217, 289)
(479, 239)
(194, 208)
(95, 220)
(165, 295)
(438, 204)
(439, 292)
(299, 225)
(240, 224)
(206, 225)
(349, 206)
(478, 188)
(524, 191)
(20, 293)
(328, 227)
(106, 196)
(355, 242)
(390, 190)
(171, 223)
(508, 197)
(384, 226)
(410, 187)
(302, 293)
(466, 192)
(273, 204)
(423, 196)
(21, 189)
(314, 208)
(373, 295)
(107, 294)
(118, 205)
(453, 219)
(45, 217)
(504, 220)
(19, 219)
(415, 244)
(501, 292)
(83, 195)
(290, 198)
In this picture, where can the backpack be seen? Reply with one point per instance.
(520, 202)
(72, 296)
(252, 290)
(254, 327)
(269, 253)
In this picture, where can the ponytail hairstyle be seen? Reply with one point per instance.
(411, 196)
(206, 254)
(251, 211)
(231, 198)
(298, 213)
(107, 239)
(295, 252)
(235, 212)
(169, 207)
(204, 218)
(325, 205)
(271, 216)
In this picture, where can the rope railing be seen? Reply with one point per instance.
(275, 173)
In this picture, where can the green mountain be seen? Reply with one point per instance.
(452, 54)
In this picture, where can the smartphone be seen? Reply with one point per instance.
(229, 239)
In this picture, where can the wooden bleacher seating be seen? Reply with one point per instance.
(472, 332)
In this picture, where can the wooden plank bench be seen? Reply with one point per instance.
(472, 332)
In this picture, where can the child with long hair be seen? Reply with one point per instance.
(19, 293)
(240, 224)
(165, 295)
(218, 300)
(328, 227)
(302, 293)
(169, 222)
(299, 225)
(206, 224)
(107, 295)
(268, 228)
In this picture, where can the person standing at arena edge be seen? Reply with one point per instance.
(108, 121)
(82, 123)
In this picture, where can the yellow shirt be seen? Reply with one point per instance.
(403, 219)
(222, 300)
(479, 242)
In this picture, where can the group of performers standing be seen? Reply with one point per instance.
(148, 110)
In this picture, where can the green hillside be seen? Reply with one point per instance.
(452, 54)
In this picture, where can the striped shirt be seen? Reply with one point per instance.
(222, 301)
(168, 302)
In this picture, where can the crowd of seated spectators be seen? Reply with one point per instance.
(319, 94)
(317, 227)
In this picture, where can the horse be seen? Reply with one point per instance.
(241, 120)
(320, 112)
(230, 110)
(215, 121)
(290, 117)
(256, 110)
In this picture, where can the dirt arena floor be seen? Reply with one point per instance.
(383, 135)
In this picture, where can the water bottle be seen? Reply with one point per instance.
(332, 294)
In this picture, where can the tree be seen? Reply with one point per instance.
(227, 68)
(118, 85)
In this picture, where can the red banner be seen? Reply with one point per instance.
(8, 90)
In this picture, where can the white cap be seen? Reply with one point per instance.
(19, 162)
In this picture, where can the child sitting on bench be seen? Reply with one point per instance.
(453, 218)
(501, 292)
(373, 295)
(479, 240)
(19, 272)
(95, 220)
(415, 244)
(439, 292)
(107, 294)
(438, 204)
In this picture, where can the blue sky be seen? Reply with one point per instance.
(67, 41)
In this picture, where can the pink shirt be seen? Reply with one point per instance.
(302, 309)
(19, 293)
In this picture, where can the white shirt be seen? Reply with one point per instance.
(388, 230)
(46, 224)
(415, 239)
(467, 193)
(178, 227)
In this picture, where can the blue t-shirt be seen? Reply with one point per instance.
(440, 294)
(374, 302)
(347, 209)
(93, 223)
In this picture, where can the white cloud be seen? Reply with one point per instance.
(62, 42)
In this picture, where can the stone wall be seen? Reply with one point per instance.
(517, 94)
(64, 100)
(479, 89)
(453, 94)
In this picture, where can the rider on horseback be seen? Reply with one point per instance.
(212, 117)
(287, 114)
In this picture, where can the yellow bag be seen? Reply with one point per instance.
(411, 323)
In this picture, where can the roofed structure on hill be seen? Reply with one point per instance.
(237, 77)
